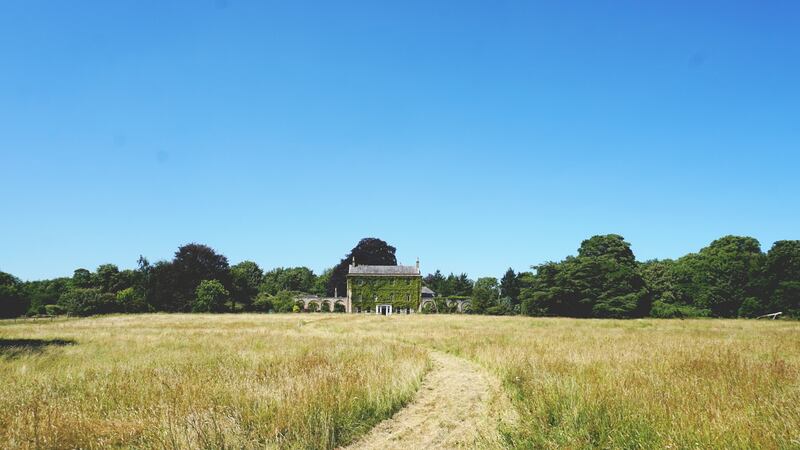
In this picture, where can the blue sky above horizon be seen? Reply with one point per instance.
(475, 135)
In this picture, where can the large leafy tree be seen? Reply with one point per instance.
(210, 296)
(722, 276)
(194, 263)
(485, 294)
(83, 278)
(368, 251)
(108, 278)
(602, 281)
(782, 278)
(39, 294)
(161, 287)
(12, 301)
(246, 277)
(299, 279)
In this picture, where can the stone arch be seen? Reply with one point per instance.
(325, 306)
(313, 305)
(339, 306)
(428, 305)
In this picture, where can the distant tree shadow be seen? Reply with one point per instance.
(14, 348)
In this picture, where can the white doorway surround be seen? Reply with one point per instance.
(384, 310)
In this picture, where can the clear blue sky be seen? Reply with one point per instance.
(475, 135)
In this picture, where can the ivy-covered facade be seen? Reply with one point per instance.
(384, 289)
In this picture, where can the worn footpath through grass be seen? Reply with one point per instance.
(324, 380)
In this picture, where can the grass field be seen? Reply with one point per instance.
(322, 380)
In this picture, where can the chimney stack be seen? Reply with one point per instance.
(417, 263)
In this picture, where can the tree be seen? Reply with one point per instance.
(659, 277)
(211, 296)
(107, 278)
(88, 301)
(321, 283)
(12, 300)
(131, 300)
(485, 294)
(435, 281)
(602, 281)
(721, 276)
(782, 278)
(82, 278)
(161, 287)
(368, 251)
(246, 277)
(300, 279)
(510, 286)
(192, 264)
(460, 285)
(39, 294)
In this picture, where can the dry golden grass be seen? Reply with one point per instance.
(320, 380)
(197, 381)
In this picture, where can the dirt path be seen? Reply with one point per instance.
(458, 406)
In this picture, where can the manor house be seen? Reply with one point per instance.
(384, 290)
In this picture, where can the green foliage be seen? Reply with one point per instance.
(262, 302)
(459, 285)
(107, 278)
(602, 281)
(401, 292)
(88, 301)
(12, 301)
(721, 276)
(299, 279)
(368, 251)
(192, 264)
(321, 284)
(82, 278)
(38, 294)
(751, 307)
(510, 286)
(485, 294)
(281, 302)
(246, 277)
(131, 300)
(664, 310)
(211, 296)
(54, 310)
(782, 278)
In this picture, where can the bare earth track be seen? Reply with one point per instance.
(458, 406)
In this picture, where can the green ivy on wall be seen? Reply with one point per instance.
(398, 291)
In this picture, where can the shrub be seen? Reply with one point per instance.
(54, 310)
(131, 301)
(211, 296)
(263, 302)
(85, 302)
(664, 310)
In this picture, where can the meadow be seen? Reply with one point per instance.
(323, 380)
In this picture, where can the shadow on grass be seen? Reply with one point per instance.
(14, 348)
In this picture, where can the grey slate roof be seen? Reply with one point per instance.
(383, 270)
(427, 290)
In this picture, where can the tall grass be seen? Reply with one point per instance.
(316, 381)
(634, 384)
(197, 381)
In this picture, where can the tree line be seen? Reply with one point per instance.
(732, 277)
